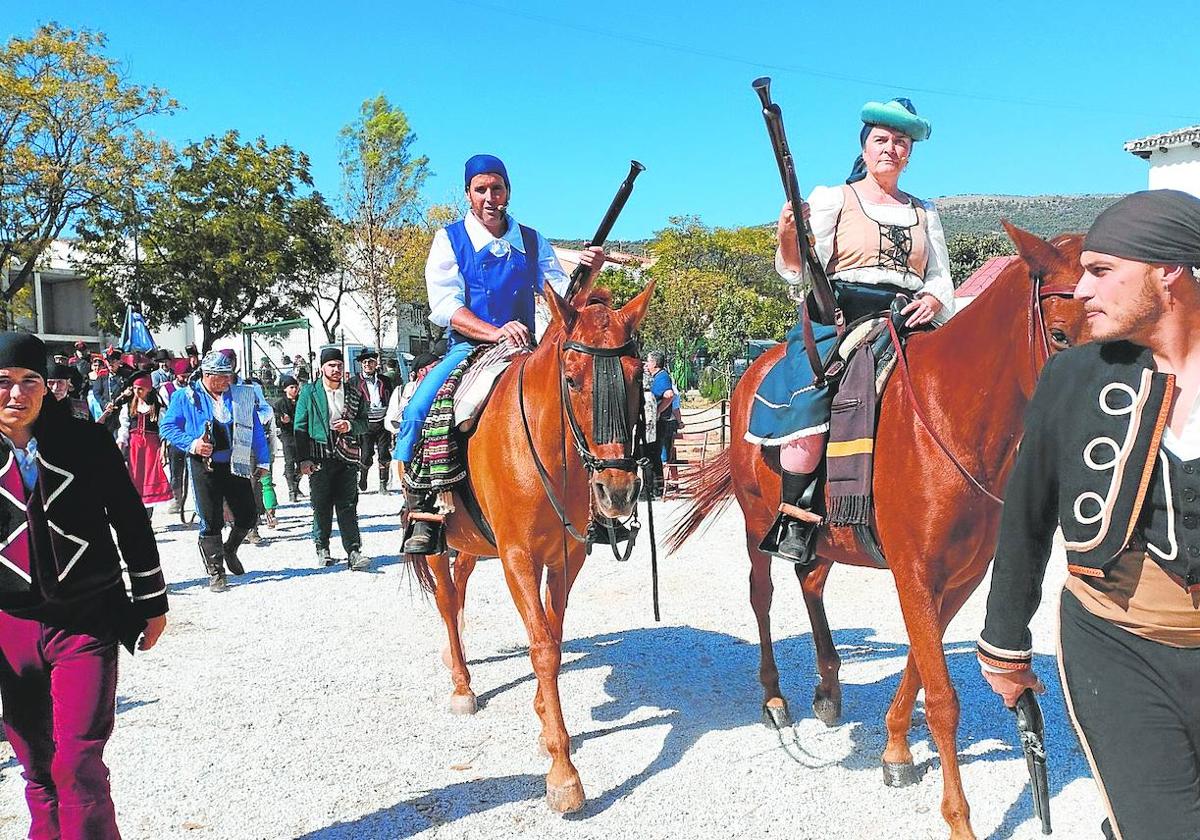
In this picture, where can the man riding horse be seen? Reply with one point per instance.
(481, 276)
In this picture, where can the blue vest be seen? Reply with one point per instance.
(497, 289)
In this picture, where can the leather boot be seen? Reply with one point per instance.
(362, 479)
(383, 480)
(425, 533)
(236, 536)
(212, 553)
(793, 535)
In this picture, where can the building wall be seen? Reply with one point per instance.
(1176, 169)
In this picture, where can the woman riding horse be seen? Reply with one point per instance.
(876, 243)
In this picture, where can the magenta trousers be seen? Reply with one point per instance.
(59, 691)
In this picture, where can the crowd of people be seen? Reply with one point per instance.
(1130, 613)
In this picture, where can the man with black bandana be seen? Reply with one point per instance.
(1112, 454)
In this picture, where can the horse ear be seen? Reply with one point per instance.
(562, 311)
(1042, 258)
(636, 309)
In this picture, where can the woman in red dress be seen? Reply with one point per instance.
(138, 437)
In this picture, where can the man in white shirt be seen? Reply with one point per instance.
(482, 275)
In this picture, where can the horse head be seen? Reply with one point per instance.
(601, 377)
(1055, 264)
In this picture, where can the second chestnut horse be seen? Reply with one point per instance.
(936, 520)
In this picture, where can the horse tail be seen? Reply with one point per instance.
(711, 491)
(418, 568)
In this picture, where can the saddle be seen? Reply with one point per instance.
(859, 368)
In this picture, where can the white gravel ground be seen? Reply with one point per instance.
(312, 703)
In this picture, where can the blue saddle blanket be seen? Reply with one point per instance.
(787, 404)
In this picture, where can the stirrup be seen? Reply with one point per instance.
(425, 534)
(791, 537)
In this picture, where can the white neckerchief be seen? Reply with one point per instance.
(1186, 445)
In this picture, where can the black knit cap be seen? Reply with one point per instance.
(287, 380)
(23, 350)
(331, 354)
(59, 371)
(1152, 226)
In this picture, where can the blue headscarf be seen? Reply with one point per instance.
(859, 170)
(485, 165)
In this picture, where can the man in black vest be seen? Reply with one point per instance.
(375, 390)
(1112, 454)
(285, 415)
(63, 602)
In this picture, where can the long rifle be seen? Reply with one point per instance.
(827, 307)
(614, 210)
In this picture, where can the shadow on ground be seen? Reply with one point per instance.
(703, 681)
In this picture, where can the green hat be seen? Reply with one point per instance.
(900, 115)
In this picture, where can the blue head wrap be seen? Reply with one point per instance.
(898, 114)
(217, 361)
(485, 165)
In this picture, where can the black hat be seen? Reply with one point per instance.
(23, 350)
(60, 371)
(162, 354)
(368, 354)
(423, 360)
(286, 380)
(331, 354)
(191, 350)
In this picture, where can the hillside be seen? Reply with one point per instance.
(1045, 215)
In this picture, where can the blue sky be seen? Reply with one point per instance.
(1025, 98)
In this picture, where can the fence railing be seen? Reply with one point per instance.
(712, 421)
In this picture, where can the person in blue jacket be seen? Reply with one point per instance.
(222, 463)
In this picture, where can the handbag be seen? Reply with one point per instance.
(346, 446)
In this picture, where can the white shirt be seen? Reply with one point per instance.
(825, 204)
(337, 403)
(1186, 445)
(373, 391)
(444, 281)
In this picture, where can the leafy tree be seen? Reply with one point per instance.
(382, 179)
(968, 251)
(69, 141)
(227, 237)
(410, 247)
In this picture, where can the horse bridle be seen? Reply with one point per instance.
(602, 426)
(610, 423)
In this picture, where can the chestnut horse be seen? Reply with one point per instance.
(937, 521)
(528, 421)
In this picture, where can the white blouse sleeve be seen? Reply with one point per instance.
(123, 428)
(824, 205)
(938, 281)
(395, 410)
(443, 281)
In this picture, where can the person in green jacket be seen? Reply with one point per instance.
(328, 426)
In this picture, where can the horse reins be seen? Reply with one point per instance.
(1037, 326)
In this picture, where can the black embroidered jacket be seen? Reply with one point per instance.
(58, 562)
(1086, 462)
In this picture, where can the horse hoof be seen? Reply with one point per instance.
(828, 710)
(565, 799)
(900, 774)
(463, 704)
(775, 714)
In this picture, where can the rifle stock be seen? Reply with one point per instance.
(610, 217)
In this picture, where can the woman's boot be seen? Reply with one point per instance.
(793, 535)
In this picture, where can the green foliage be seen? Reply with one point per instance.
(968, 251)
(69, 141)
(225, 237)
(714, 384)
(382, 179)
(718, 284)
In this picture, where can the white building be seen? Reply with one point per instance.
(1174, 159)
